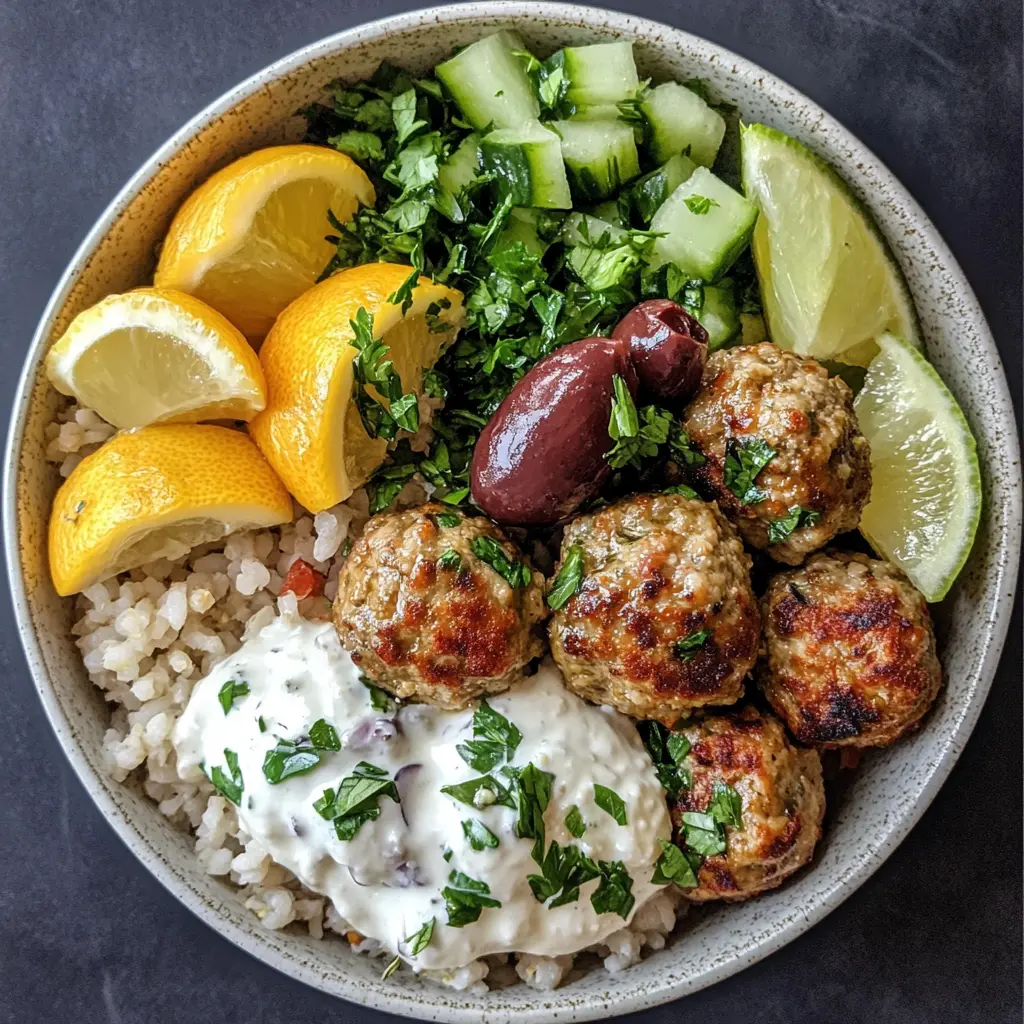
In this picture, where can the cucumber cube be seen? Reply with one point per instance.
(650, 191)
(601, 74)
(600, 156)
(677, 120)
(462, 167)
(527, 166)
(490, 84)
(705, 225)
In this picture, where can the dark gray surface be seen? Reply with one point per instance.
(89, 89)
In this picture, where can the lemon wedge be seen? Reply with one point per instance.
(157, 355)
(155, 493)
(829, 283)
(311, 431)
(251, 238)
(925, 479)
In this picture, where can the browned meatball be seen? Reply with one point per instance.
(664, 619)
(761, 407)
(426, 607)
(850, 652)
(783, 799)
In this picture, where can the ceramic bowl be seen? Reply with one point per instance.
(885, 799)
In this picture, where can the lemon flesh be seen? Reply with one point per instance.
(155, 493)
(251, 239)
(829, 284)
(925, 480)
(310, 431)
(156, 355)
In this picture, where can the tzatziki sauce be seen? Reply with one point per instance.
(291, 694)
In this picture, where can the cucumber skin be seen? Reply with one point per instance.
(512, 168)
(623, 167)
(665, 142)
(720, 315)
(612, 61)
(650, 192)
(498, 109)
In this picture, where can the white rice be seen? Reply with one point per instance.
(149, 635)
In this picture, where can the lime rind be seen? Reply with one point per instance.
(799, 272)
(926, 481)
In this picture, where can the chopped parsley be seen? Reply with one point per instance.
(450, 561)
(262, 724)
(356, 800)
(610, 801)
(563, 870)
(686, 647)
(574, 822)
(380, 700)
(683, 490)
(614, 893)
(667, 750)
(371, 369)
(230, 786)
(531, 787)
(489, 551)
(699, 205)
(726, 805)
(780, 529)
(569, 578)
(447, 520)
(702, 834)
(643, 435)
(464, 898)
(481, 792)
(393, 966)
(419, 940)
(495, 740)
(744, 459)
(675, 865)
(478, 835)
(230, 692)
(289, 758)
(403, 294)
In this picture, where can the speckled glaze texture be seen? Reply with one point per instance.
(887, 796)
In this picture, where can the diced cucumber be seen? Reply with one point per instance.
(677, 119)
(462, 167)
(490, 84)
(705, 225)
(601, 74)
(720, 314)
(614, 211)
(527, 165)
(522, 227)
(600, 155)
(586, 229)
(650, 191)
(597, 112)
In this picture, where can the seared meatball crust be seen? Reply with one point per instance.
(850, 648)
(783, 802)
(822, 462)
(665, 619)
(426, 625)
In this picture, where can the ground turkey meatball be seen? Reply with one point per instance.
(850, 651)
(783, 802)
(757, 401)
(664, 619)
(425, 606)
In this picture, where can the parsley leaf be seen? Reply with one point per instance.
(230, 786)
(699, 205)
(574, 822)
(515, 573)
(726, 805)
(623, 426)
(667, 750)
(230, 692)
(675, 865)
(356, 800)
(447, 520)
(386, 484)
(478, 835)
(464, 898)
(403, 110)
(371, 370)
(703, 834)
(569, 578)
(495, 739)
(744, 459)
(532, 791)
(614, 894)
(683, 490)
(481, 792)
(363, 147)
(780, 529)
(610, 801)
(324, 736)
(563, 870)
(419, 940)
(686, 648)
(380, 700)
(288, 759)
(450, 561)
(403, 294)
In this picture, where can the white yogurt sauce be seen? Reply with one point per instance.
(386, 880)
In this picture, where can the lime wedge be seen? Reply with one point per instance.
(829, 284)
(925, 482)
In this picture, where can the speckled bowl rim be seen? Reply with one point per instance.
(439, 1004)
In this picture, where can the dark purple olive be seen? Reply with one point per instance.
(542, 453)
(668, 348)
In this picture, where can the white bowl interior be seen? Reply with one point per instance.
(883, 801)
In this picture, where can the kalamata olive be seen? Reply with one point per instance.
(541, 455)
(668, 348)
